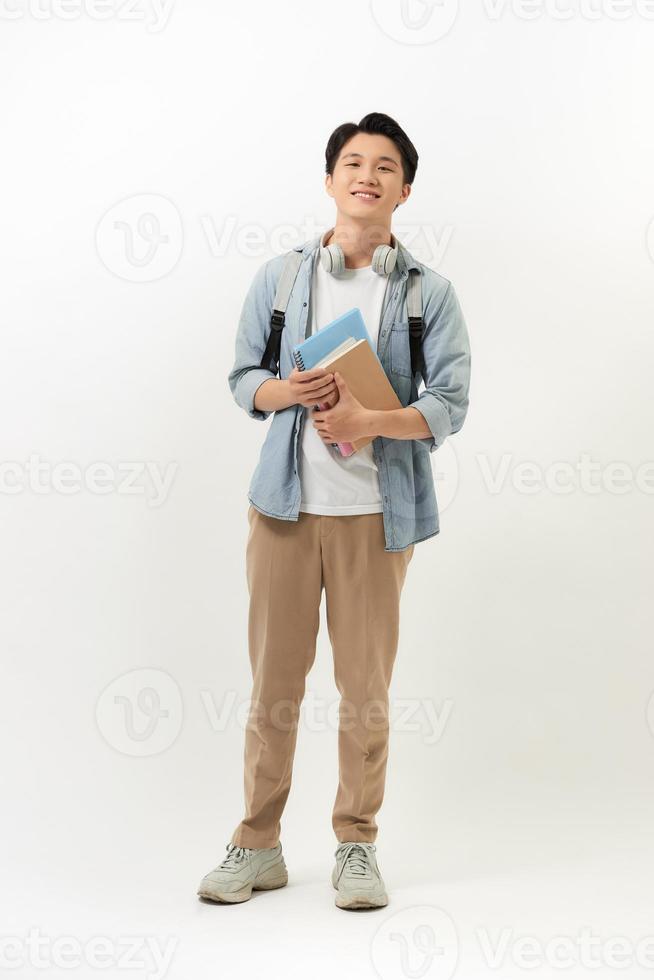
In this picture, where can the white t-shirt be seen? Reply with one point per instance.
(331, 483)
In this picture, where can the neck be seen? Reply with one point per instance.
(358, 240)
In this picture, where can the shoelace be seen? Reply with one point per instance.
(235, 855)
(357, 859)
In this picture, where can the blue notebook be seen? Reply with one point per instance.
(312, 350)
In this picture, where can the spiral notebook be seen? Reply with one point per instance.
(337, 336)
(311, 351)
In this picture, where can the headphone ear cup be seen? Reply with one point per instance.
(384, 259)
(332, 259)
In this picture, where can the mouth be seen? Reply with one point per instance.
(365, 195)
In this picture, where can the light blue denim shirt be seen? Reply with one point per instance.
(410, 511)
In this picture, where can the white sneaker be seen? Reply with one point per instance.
(244, 870)
(357, 877)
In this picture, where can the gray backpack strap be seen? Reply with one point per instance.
(414, 309)
(270, 359)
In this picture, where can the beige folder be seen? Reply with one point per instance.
(366, 379)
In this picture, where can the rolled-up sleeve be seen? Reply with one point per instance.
(246, 374)
(445, 368)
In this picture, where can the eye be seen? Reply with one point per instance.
(356, 165)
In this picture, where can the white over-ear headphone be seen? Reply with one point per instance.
(333, 259)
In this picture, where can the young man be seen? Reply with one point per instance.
(346, 524)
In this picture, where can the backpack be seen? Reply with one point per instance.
(270, 359)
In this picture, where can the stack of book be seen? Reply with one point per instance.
(344, 345)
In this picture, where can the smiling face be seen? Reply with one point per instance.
(368, 181)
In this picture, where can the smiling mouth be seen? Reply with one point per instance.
(365, 195)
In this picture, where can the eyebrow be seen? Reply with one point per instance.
(390, 159)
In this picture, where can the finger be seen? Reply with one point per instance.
(323, 392)
(317, 374)
(316, 394)
(317, 386)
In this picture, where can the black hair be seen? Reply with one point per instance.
(378, 123)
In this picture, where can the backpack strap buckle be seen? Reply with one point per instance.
(277, 320)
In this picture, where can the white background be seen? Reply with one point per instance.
(525, 623)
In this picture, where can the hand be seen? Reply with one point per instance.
(308, 388)
(346, 421)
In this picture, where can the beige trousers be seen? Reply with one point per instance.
(288, 563)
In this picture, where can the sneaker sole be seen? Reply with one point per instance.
(266, 884)
(360, 901)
